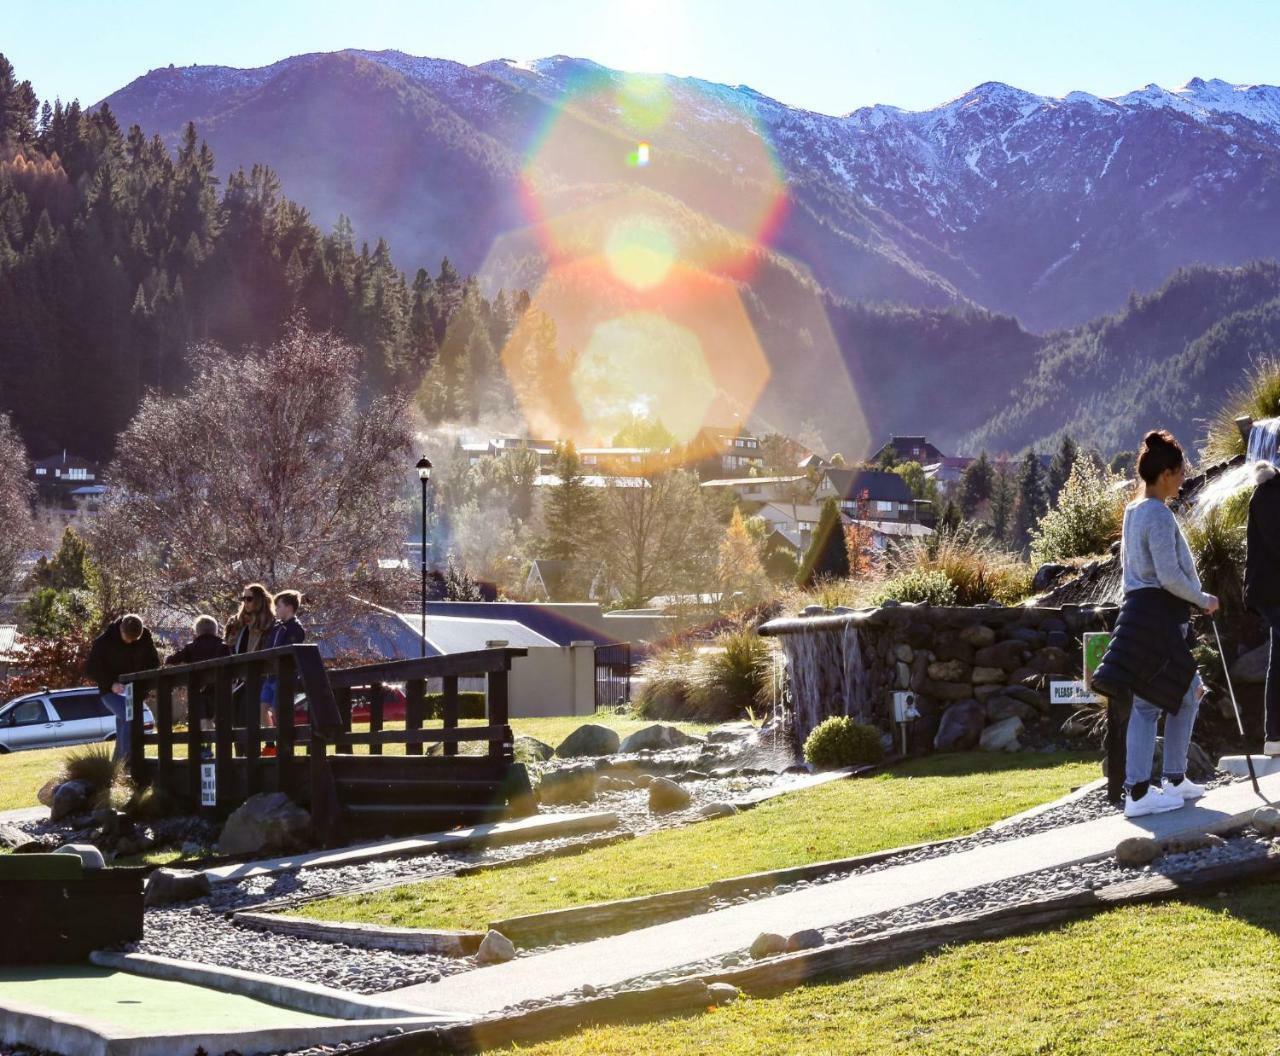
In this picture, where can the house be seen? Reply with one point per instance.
(548, 580)
(725, 451)
(882, 533)
(591, 480)
(759, 489)
(909, 449)
(812, 463)
(868, 493)
(495, 447)
(57, 475)
(946, 472)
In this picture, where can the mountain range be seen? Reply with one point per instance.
(1000, 211)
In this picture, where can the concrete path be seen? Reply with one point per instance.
(611, 960)
(21, 814)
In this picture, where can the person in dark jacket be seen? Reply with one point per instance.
(247, 629)
(206, 645)
(122, 649)
(285, 631)
(1149, 660)
(1262, 585)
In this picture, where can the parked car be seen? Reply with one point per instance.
(393, 706)
(57, 717)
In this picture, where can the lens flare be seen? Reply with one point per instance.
(640, 252)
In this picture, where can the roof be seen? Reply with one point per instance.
(58, 461)
(8, 639)
(90, 490)
(952, 462)
(736, 482)
(798, 511)
(898, 528)
(552, 573)
(878, 485)
(551, 480)
(460, 634)
(559, 623)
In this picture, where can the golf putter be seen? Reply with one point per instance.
(1253, 775)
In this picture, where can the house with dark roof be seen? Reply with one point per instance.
(871, 494)
(725, 451)
(910, 449)
(56, 476)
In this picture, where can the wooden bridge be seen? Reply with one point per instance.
(354, 782)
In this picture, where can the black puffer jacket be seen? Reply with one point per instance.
(1149, 656)
(1262, 566)
(111, 657)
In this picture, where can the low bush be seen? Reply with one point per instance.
(1086, 519)
(470, 705)
(839, 741)
(931, 587)
(719, 684)
(979, 570)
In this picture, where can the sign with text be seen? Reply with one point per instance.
(208, 785)
(128, 702)
(1070, 693)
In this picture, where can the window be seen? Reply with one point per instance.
(78, 473)
(29, 713)
(79, 706)
(41, 471)
(588, 460)
(885, 507)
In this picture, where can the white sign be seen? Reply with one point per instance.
(128, 702)
(208, 785)
(1070, 693)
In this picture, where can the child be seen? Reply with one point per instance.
(206, 645)
(285, 631)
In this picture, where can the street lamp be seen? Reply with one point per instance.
(424, 474)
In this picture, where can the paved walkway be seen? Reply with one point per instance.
(611, 960)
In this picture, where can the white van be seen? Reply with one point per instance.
(58, 717)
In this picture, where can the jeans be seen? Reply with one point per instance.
(116, 704)
(1140, 738)
(1272, 699)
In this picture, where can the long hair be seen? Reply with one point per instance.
(266, 614)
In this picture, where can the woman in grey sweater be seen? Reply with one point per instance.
(1155, 558)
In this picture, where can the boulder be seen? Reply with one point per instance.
(1137, 851)
(655, 738)
(1001, 708)
(919, 636)
(730, 732)
(767, 944)
(950, 648)
(495, 948)
(570, 784)
(722, 993)
(1196, 841)
(266, 823)
(961, 726)
(949, 671)
(988, 676)
(70, 798)
(1267, 821)
(89, 855)
(1028, 696)
(1030, 635)
(978, 635)
(665, 796)
(1058, 639)
(951, 691)
(532, 750)
(590, 739)
(1053, 661)
(1046, 576)
(904, 674)
(1001, 736)
(1007, 656)
(808, 939)
(167, 886)
(45, 796)
(15, 839)
(1251, 668)
(902, 651)
(717, 810)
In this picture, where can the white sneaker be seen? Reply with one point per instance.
(1186, 789)
(1156, 801)
(1271, 748)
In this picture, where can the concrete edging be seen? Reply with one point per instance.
(367, 936)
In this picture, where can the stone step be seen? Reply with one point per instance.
(1238, 765)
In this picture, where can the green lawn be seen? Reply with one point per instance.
(1195, 979)
(926, 799)
(22, 774)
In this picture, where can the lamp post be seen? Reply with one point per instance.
(424, 475)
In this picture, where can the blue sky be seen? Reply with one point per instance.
(824, 55)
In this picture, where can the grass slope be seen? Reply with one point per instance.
(1174, 980)
(926, 799)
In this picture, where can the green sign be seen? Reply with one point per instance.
(1095, 648)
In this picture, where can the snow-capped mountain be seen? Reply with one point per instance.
(1052, 209)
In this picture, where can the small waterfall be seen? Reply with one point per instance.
(1264, 438)
(826, 675)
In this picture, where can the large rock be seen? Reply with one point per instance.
(45, 796)
(1046, 576)
(590, 739)
(949, 671)
(1137, 851)
(266, 823)
(167, 886)
(495, 948)
(532, 750)
(70, 798)
(988, 676)
(1008, 656)
(1251, 668)
(1001, 736)
(1053, 661)
(978, 635)
(951, 691)
(657, 738)
(808, 939)
(89, 855)
(665, 796)
(767, 944)
(1039, 701)
(570, 784)
(961, 726)
(1002, 707)
(1267, 821)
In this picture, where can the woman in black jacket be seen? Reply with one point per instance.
(1262, 585)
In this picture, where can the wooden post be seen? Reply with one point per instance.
(250, 694)
(195, 708)
(375, 714)
(415, 710)
(504, 750)
(139, 769)
(223, 735)
(164, 726)
(449, 709)
(286, 690)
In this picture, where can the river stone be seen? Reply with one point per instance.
(723, 993)
(717, 810)
(1007, 656)
(1000, 708)
(904, 675)
(1058, 639)
(656, 738)
(45, 796)
(978, 635)
(951, 648)
(166, 886)
(1251, 668)
(767, 944)
(1195, 841)
(1047, 575)
(589, 739)
(902, 651)
(266, 823)
(949, 671)
(961, 726)
(808, 939)
(665, 796)
(1001, 736)
(1137, 851)
(1267, 821)
(950, 691)
(988, 676)
(1053, 661)
(919, 636)
(532, 750)
(570, 784)
(69, 798)
(89, 855)
(1028, 696)
(495, 948)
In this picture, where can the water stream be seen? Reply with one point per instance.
(826, 675)
(1264, 439)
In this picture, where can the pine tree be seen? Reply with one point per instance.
(572, 519)
(1060, 468)
(1003, 497)
(828, 555)
(1031, 501)
(976, 484)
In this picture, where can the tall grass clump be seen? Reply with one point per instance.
(1217, 541)
(1087, 518)
(1258, 397)
(93, 764)
(719, 684)
(977, 569)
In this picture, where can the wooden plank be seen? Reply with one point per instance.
(250, 695)
(223, 735)
(195, 739)
(164, 728)
(492, 734)
(375, 716)
(503, 749)
(415, 710)
(286, 735)
(449, 709)
(138, 765)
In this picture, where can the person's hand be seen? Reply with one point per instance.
(117, 688)
(1213, 604)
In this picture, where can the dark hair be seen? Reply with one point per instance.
(131, 626)
(290, 597)
(1159, 452)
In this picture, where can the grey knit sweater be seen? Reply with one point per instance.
(1155, 553)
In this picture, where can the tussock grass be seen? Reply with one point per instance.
(1258, 397)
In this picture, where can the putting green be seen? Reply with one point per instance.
(133, 1004)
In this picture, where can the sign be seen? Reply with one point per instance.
(128, 702)
(1070, 693)
(1096, 644)
(208, 785)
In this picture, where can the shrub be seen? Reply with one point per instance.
(979, 571)
(92, 764)
(663, 685)
(470, 705)
(718, 685)
(1258, 397)
(1086, 519)
(839, 741)
(932, 587)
